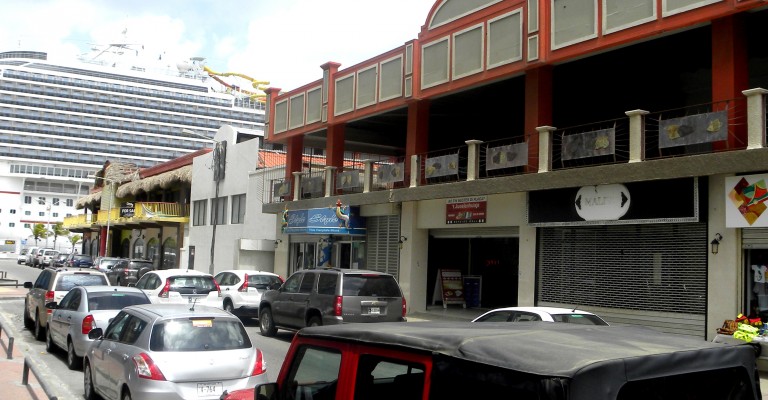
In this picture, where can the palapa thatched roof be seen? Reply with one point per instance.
(88, 200)
(163, 181)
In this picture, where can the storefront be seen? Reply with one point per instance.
(633, 253)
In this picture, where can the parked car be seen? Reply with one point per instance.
(51, 286)
(28, 261)
(79, 261)
(180, 286)
(60, 261)
(449, 360)
(37, 260)
(241, 290)
(47, 258)
(331, 296)
(126, 271)
(81, 310)
(546, 314)
(171, 351)
(104, 264)
(22, 257)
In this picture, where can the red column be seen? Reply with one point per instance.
(293, 161)
(730, 75)
(103, 241)
(417, 137)
(538, 109)
(334, 147)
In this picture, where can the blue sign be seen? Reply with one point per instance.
(334, 220)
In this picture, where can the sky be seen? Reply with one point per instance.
(282, 42)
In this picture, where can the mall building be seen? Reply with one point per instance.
(543, 152)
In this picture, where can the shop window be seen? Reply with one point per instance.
(138, 248)
(170, 254)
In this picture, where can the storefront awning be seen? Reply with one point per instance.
(88, 200)
(161, 181)
(324, 221)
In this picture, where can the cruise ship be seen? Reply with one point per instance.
(60, 122)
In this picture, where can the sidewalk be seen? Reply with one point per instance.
(12, 370)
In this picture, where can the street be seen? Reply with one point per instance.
(54, 365)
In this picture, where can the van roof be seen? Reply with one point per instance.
(592, 353)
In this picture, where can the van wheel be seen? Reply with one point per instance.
(266, 323)
(228, 306)
(39, 330)
(314, 321)
(28, 322)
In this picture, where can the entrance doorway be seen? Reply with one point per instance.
(756, 283)
(495, 260)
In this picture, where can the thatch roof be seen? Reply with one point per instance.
(163, 181)
(88, 200)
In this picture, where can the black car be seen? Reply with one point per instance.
(60, 260)
(126, 272)
(79, 261)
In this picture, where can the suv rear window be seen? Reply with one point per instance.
(267, 280)
(192, 284)
(86, 258)
(199, 334)
(67, 282)
(370, 285)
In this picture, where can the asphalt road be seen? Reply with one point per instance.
(58, 374)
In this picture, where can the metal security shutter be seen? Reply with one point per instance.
(475, 232)
(650, 275)
(754, 238)
(382, 247)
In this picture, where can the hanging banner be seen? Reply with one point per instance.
(693, 129)
(745, 201)
(348, 180)
(442, 166)
(513, 155)
(390, 173)
(589, 144)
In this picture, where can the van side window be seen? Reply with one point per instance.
(378, 378)
(326, 284)
(307, 283)
(314, 374)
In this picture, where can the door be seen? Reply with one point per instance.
(289, 307)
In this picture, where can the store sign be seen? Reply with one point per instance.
(10, 242)
(127, 210)
(466, 210)
(603, 202)
(745, 201)
(662, 201)
(344, 221)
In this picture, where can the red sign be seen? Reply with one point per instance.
(466, 210)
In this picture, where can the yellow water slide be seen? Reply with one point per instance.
(260, 86)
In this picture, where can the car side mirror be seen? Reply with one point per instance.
(265, 391)
(27, 285)
(95, 333)
(52, 305)
(131, 284)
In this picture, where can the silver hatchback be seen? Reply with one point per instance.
(171, 351)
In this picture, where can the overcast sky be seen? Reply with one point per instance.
(280, 41)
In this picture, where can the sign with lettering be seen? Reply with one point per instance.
(332, 220)
(127, 210)
(603, 202)
(466, 210)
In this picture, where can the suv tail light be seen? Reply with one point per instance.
(337, 306)
(244, 286)
(405, 309)
(87, 325)
(49, 298)
(167, 288)
(260, 366)
(218, 288)
(146, 368)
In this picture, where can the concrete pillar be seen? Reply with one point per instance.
(330, 174)
(415, 170)
(755, 117)
(636, 135)
(413, 259)
(297, 185)
(545, 147)
(473, 159)
(367, 175)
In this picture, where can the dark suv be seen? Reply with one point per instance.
(331, 296)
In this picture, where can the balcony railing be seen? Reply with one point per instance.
(730, 125)
(78, 221)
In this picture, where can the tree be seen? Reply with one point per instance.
(39, 232)
(58, 230)
(74, 239)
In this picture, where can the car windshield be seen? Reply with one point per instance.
(267, 280)
(192, 284)
(583, 319)
(67, 282)
(199, 334)
(83, 258)
(115, 300)
(370, 285)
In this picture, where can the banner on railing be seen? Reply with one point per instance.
(589, 144)
(390, 173)
(442, 166)
(312, 185)
(348, 180)
(513, 155)
(282, 189)
(693, 129)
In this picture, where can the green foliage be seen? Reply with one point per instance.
(39, 232)
(58, 230)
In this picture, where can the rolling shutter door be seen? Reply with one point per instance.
(654, 275)
(754, 238)
(382, 247)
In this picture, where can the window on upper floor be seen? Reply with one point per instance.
(238, 209)
(12, 211)
(27, 199)
(199, 207)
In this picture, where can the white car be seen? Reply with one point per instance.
(180, 286)
(241, 290)
(546, 314)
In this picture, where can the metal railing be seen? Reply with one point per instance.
(9, 350)
(30, 365)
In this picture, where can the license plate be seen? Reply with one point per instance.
(210, 388)
(374, 310)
